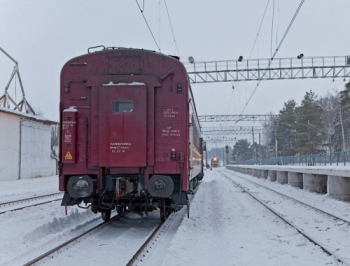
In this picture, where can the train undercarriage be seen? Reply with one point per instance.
(126, 193)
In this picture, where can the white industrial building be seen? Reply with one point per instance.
(25, 150)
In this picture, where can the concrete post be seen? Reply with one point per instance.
(271, 175)
(295, 179)
(282, 177)
(339, 187)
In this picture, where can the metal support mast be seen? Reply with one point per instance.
(6, 100)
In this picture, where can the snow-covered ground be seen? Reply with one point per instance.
(226, 227)
(27, 233)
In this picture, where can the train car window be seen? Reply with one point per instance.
(123, 106)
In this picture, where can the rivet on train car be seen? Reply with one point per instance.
(179, 88)
(173, 155)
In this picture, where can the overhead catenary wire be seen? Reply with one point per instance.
(257, 35)
(277, 49)
(171, 26)
(278, 21)
(251, 51)
(141, 10)
(160, 27)
(273, 18)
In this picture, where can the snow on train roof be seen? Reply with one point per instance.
(124, 84)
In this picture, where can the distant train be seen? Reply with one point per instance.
(214, 162)
(130, 135)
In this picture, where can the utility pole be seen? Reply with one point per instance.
(223, 157)
(253, 144)
(276, 142)
(259, 153)
(308, 136)
(342, 127)
(206, 158)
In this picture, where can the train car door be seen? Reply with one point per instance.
(122, 125)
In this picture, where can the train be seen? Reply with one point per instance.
(130, 139)
(214, 162)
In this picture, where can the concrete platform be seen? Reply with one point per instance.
(321, 179)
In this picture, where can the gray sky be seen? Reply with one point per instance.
(42, 35)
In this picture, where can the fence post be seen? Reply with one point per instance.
(320, 159)
(337, 158)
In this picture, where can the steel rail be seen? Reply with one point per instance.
(160, 227)
(28, 199)
(32, 198)
(24, 207)
(46, 254)
(144, 245)
(330, 253)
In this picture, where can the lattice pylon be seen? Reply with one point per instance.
(6, 100)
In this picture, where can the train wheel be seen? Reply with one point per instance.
(168, 212)
(195, 183)
(120, 209)
(106, 215)
(162, 211)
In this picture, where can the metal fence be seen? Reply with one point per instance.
(333, 158)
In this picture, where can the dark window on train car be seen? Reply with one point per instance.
(123, 106)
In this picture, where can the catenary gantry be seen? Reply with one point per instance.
(230, 130)
(268, 69)
(237, 118)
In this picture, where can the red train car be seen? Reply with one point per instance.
(214, 162)
(130, 136)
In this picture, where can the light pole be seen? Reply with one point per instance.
(276, 141)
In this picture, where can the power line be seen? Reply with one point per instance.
(160, 26)
(171, 26)
(289, 26)
(278, 21)
(257, 35)
(277, 49)
(141, 10)
(273, 18)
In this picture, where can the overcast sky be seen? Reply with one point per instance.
(42, 35)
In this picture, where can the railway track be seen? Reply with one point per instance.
(137, 258)
(74, 239)
(300, 202)
(23, 203)
(155, 238)
(290, 223)
(138, 255)
(124, 230)
(173, 222)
